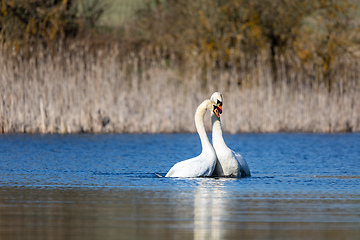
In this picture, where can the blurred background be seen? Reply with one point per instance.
(144, 66)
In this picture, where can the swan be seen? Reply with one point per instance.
(229, 163)
(204, 164)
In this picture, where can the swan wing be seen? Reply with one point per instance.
(244, 168)
(194, 167)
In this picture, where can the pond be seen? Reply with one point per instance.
(303, 186)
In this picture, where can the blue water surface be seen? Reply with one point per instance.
(277, 161)
(300, 183)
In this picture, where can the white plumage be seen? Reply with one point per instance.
(229, 163)
(204, 164)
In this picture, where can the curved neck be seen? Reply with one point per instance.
(217, 136)
(200, 126)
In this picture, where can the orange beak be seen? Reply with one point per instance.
(219, 107)
(216, 112)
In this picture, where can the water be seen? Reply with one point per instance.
(303, 186)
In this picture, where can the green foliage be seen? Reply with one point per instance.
(222, 32)
(25, 21)
(216, 34)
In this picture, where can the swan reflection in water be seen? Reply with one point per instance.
(210, 208)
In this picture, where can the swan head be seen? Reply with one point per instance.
(218, 99)
(207, 105)
(211, 105)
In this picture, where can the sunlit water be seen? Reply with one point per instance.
(303, 186)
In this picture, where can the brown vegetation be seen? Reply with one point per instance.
(289, 67)
(80, 92)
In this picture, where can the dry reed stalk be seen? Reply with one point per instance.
(75, 91)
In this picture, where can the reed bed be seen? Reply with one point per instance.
(76, 90)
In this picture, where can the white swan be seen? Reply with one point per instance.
(204, 164)
(230, 163)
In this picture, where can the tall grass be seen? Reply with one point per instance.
(78, 90)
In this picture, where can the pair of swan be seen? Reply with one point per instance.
(216, 160)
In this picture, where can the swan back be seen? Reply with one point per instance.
(243, 166)
(200, 166)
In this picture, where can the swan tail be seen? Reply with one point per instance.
(245, 170)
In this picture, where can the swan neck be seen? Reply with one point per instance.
(217, 135)
(200, 126)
